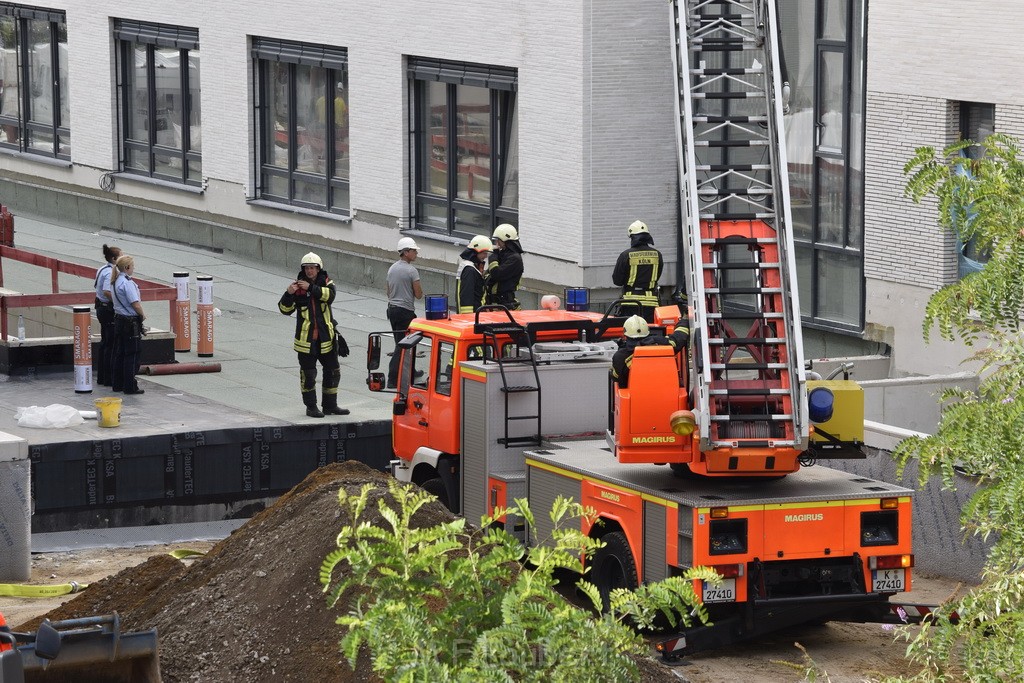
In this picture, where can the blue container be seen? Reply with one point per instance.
(577, 299)
(437, 307)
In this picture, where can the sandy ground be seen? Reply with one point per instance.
(841, 652)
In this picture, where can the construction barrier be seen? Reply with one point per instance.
(204, 286)
(6, 227)
(83, 349)
(181, 324)
(15, 509)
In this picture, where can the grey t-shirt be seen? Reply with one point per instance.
(401, 275)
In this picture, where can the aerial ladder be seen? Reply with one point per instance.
(747, 389)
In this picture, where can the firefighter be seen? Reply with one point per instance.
(469, 283)
(403, 288)
(638, 333)
(311, 295)
(637, 270)
(505, 268)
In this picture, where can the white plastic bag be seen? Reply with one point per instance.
(53, 416)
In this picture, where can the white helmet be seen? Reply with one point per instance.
(481, 243)
(637, 227)
(312, 259)
(505, 233)
(636, 327)
(407, 243)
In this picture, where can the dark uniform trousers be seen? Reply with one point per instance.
(127, 352)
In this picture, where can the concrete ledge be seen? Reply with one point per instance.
(46, 354)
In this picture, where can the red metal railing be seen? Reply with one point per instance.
(149, 291)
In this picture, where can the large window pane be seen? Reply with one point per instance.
(831, 201)
(831, 93)
(474, 143)
(341, 159)
(434, 176)
(276, 83)
(169, 97)
(137, 85)
(40, 69)
(838, 285)
(510, 189)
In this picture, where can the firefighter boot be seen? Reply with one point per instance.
(309, 398)
(332, 378)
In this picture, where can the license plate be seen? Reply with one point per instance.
(888, 580)
(723, 592)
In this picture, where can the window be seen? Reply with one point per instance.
(34, 115)
(466, 163)
(823, 43)
(445, 368)
(158, 88)
(977, 122)
(302, 156)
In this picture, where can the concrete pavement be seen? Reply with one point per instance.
(253, 341)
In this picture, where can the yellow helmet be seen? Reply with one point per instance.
(636, 327)
(637, 227)
(481, 243)
(505, 233)
(312, 259)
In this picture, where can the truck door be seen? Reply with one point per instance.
(412, 409)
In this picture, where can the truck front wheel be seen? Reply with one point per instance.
(435, 487)
(613, 566)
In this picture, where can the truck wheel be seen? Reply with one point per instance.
(613, 566)
(435, 487)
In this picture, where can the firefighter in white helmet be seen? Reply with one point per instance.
(469, 276)
(310, 297)
(505, 269)
(403, 288)
(638, 269)
(638, 333)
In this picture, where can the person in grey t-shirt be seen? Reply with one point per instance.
(403, 290)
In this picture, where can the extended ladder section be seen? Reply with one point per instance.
(748, 387)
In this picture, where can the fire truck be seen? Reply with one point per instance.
(703, 458)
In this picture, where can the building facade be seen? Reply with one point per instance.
(272, 128)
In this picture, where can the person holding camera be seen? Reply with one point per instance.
(309, 296)
(128, 330)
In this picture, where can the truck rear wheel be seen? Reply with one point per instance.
(435, 487)
(613, 566)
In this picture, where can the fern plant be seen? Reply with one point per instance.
(448, 602)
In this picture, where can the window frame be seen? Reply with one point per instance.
(57, 129)
(128, 35)
(971, 118)
(502, 83)
(269, 51)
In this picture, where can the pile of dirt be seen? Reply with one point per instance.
(252, 608)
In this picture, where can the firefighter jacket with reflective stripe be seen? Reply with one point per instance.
(314, 320)
(637, 271)
(623, 358)
(469, 285)
(504, 271)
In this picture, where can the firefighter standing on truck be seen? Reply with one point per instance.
(469, 276)
(505, 268)
(638, 333)
(637, 271)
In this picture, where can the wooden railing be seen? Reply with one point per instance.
(149, 291)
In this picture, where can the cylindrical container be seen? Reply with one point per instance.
(21, 327)
(577, 299)
(204, 292)
(83, 349)
(436, 306)
(109, 409)
(182, 323)
(15, 510)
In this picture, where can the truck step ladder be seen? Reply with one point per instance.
(522, 337)
(749, 385)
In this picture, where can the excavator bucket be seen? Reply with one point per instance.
(87, 650)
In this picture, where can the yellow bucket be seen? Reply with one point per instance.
(110, 411)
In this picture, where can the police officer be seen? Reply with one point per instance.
(128, 318)
(637, 270)
(638, 333)
(310, 296)
(469, 283)
(505, 269)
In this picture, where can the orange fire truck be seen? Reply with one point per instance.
(702, 459)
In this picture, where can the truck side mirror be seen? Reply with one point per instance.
(373, 351)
